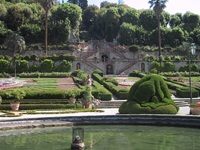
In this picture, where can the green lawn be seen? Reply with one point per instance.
(42, 83)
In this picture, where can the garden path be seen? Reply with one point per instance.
(66, 84)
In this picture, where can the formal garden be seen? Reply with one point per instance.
(45, 81)
(49, 92)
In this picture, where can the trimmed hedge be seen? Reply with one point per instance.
(38, 101)
(110, 79)
(115, 90)
(136, 74)
(97, 77)
(98, 72)
(132, 107)
(100, 92)
(80, 77)
(49, 94)
(184, 92)
(173, 86)
(44, 75)
(43, 106)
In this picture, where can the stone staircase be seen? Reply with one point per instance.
(110, 104)
(181, 103)
(117, 103)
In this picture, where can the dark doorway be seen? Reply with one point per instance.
(109, 69)
(142, 67)
(78, 66)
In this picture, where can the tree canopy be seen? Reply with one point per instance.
(111, 21)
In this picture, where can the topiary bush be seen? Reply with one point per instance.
(134, 48)
(22, 66)
(64, 66)
(184, 92)
(150, 95)
(110, 79)
(4, 65)
(98, 72)
(47, 65)
(80, 77)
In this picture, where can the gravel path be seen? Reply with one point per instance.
(66, 83)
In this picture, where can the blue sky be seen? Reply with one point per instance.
(173, 6)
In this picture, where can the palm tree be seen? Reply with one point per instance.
(16, 44)
(47, 5)
(158, 7)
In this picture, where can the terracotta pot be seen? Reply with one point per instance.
(195, 110)
(72, 100)
(88, 105)
(15, 105)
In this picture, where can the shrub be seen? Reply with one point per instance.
(157, 97)
(132, 107)
(51, 94)
(97, 77)
(22, 66)
(100, 92)
(98, 72)
(134, 48)
(44, 75)
(79, 77)
(110, 79)
(194, 68)
(64, 66)
(184, 92)
(155, 65)
(15, 94)
(4, 65)
(168, 66)
(46, 65)
(43, 106)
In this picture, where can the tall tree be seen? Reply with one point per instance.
(82, 3)
(15, 43)
(47, 5)
(158, 7)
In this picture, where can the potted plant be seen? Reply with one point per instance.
(87, 97)
(16, 95)
(195, 108)
(72, 97)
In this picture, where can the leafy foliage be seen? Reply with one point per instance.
(157, 98)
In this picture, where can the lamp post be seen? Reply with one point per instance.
(192, 51)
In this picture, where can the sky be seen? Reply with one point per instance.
(172, 6)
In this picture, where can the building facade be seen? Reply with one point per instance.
(110, 58)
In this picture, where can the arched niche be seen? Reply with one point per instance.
(78, 66)
(142, 67)
(109, 69)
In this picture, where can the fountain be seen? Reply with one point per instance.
(98, 137)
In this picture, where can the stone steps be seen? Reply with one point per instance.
(110, 104)
(117, 103)
(182, 103)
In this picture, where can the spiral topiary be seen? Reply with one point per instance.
(150, 95)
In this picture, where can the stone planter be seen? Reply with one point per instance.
(195, 110)
(15, 105)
